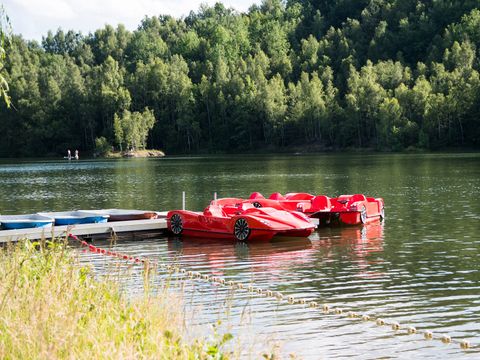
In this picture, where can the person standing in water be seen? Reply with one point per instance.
(69, 154)
(76, 155)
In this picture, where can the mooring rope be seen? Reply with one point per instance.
(254, 290)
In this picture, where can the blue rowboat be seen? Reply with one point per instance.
(10, 222)
(76, 217)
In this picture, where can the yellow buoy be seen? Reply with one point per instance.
(446, 339)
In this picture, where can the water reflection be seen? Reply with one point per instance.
(362, 244)
(260, 255)
(357, 243)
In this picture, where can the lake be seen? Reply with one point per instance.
(420, 267)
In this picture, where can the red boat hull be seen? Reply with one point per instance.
(238, 223)
(346, 209)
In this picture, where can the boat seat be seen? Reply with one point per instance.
(245, 206)
(276, 196)
(321, 202)
(358, 197)
(231, 210)
(303, 206)
(343, 199)
(226, 201)
(215, 211)
(237, 209)
(256, 195)
(299, 196)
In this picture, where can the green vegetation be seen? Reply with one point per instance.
(102, 147)
(52, 308)
(3, 37)
(131, 129)
(376, 74)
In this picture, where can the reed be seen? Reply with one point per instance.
(51, 307)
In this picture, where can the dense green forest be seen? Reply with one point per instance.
(326, 74)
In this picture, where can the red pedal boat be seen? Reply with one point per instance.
(345, 209)
(240, 220)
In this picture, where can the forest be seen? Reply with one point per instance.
(324, 75)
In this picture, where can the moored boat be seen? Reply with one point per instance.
(240, 222)
(75, 217)
(345, 209)
(353, 209)
(11, 222)
(125, 214)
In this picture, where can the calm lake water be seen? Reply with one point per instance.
(420, 267)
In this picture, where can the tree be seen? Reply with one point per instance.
(110, 42)
(274, 106)
(415, 104)
(109, 93)
(62, 43)
(363, 100)
(308, 109)
(4, 23)
(132, 128)
(144, 46)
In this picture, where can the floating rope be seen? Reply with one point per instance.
(325, 308)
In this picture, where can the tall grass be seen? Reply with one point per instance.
(53, 308)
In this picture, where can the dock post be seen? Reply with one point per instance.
(215, 197)
(183, 200)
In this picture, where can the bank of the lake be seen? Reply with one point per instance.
(54, 308)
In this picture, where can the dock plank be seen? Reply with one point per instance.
(84, 229)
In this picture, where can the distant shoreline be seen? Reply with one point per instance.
(285, 151)
(134, 154)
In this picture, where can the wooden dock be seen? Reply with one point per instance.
(104, 230)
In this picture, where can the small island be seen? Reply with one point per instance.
(147, 153)
(131, 132)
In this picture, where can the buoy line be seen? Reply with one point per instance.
(253, 290)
